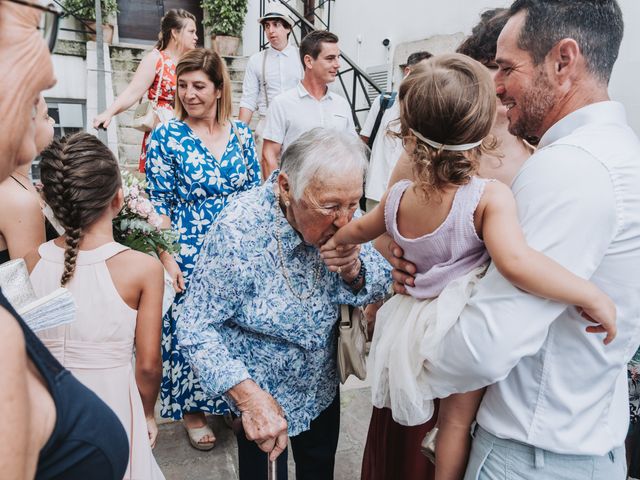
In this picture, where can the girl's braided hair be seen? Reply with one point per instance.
(449, 99)
(80, 177)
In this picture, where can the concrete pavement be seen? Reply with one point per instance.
(179, 461)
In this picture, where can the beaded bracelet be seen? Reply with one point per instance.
(361, 273)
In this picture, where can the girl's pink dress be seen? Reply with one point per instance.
(98, 346)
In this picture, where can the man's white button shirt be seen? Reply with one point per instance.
(283, 71)
(386, 150)
(296, 112)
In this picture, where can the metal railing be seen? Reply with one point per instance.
(353, 80)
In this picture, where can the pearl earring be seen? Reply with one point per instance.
(287, 203)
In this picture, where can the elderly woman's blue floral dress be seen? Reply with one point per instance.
(190, 186)
(242, 319)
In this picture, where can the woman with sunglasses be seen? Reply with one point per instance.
(52, 426)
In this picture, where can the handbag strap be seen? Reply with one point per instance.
(264, 77)
(241, 141)
(345, 317)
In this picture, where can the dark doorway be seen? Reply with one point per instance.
(139, 20)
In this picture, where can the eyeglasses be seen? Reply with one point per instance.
(334, 211)
(49, 22)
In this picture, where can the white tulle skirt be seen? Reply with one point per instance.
(407, 332)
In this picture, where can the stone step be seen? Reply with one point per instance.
(239, 63)
(236, 73)
(236, 87)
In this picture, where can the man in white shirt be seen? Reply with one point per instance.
(385, 149)
(272, 71)
(308, 105)
(557, 402)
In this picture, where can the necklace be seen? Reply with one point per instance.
(285, 272)
(19, 182)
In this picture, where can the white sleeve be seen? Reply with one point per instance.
(567, 211)
(251, 85)
(371, 117)
(275, 127)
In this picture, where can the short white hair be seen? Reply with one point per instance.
(322, 153)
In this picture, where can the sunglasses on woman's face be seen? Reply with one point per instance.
(49, 21)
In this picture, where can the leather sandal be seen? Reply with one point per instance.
(428, 445)
(196, 434)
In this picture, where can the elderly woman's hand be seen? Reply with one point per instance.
(403, 272)
(262, 417)
(342, 259)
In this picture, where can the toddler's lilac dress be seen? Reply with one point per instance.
(408, 331)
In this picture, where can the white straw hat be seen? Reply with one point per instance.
(276, 10)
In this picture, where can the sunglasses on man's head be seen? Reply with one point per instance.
(49, 21)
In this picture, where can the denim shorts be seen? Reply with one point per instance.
(493, 458)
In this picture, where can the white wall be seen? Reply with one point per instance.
(626, 72)
(363, 24)
(72, 78)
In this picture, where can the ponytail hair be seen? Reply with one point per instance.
(174, 19)
(80, 177)
(449, 99)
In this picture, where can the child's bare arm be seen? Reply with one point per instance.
(360, 230)
(533, 271)
(149, 332)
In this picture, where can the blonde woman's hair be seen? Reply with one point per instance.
(209, 62)
(449, 99)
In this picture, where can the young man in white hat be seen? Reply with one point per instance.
(270, 71)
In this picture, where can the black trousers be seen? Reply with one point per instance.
(314, 451)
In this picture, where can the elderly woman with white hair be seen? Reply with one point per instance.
(259, 322)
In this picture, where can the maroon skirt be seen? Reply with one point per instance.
(392, 450)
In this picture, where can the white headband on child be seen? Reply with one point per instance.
(443, 146)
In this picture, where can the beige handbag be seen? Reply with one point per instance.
(145, 117)
(351, 343)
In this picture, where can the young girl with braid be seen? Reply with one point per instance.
(448, 223)
(117, 291)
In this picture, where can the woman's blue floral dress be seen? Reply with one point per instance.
(190, 186)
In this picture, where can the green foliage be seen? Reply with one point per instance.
(137, 225)
(139, 235)
(85, 9)
(224, 17)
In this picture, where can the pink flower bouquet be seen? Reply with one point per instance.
(138, 224)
